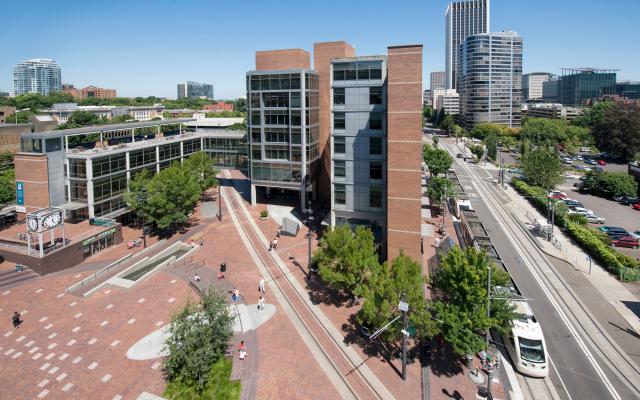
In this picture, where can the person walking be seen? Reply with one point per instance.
(261, 303)
(16, 319)
(202, 241)
(275, 243)
(261, 286)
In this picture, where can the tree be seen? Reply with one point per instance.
(476, 150)
(461, 313)
(508, 142)
(202, 167)
(555, 131)
(240, 104)
(593, 115)
(458, 132)
(81, 118)
(7, 186)
(400, 279)
(171, 196)
(619, 131)
(435, 140)
(60, 97)
(540, 167)
(438, 160)
(438, 117)
(481, 131)
(427, 113)
(346, 259)
(198, 337)
(447, 124)
(238, 126)
(609, 184)
(439, 189)
(492, 146)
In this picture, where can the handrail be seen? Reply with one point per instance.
(95, 275)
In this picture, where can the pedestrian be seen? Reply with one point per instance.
(196, 277)
(270, 245)
(242, 354)
(16, 319)
(241, 346)
(279, 231)
(275, 243)
(261, 286)
(261, 303)
(202, 241)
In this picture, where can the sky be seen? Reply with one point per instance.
(144, 48)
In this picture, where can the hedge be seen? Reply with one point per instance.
(593, 242)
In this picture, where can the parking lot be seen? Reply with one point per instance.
(615, 213)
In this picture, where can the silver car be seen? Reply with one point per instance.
(594, 219)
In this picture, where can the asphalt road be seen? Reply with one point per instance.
(572, 374)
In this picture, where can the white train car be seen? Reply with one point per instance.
(525, 343)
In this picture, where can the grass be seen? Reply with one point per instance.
(219, 387)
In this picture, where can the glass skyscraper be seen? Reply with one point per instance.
(195, 90)
(463, 18)
(39, 75)
(490, 83)
(576, 86)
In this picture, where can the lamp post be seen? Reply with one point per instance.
(308, 212)
(17, 111)
(142, 199)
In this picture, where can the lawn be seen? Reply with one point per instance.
(218, 387)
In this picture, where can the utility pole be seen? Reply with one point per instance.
(309, 217)
(486, 345)
(404, 307)
(219, 200)
(142, 198)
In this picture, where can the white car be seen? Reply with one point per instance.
(594, 219)
(568, 161)
(635, 234)
(580, 211)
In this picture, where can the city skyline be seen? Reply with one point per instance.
(144, 55)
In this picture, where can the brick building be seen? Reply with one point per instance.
(89, 92)
(347, 133)
(219, 106)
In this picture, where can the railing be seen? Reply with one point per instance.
(95, 276)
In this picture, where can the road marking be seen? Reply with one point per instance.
(141, 300)
(104, 323)
(115, 343)
(50, 356)
(71, 342)
(6, 292)
(37, 356)
(76, 329)
(171, 300)
(131, 321)
(43, 319)
(29, 343)
(43, 383)
(552, 300)
(43, 393)
(92, 341)
(73, 304)
(63, 357)
(109, 306)
(78, 315)
(39, 291)
(48, 326)
(60, 295)
(106, 378)
(107, 291)
(93, 365)
(61, 377)
(20, 339)
(67, 387)
(76, 360)
(173, 281)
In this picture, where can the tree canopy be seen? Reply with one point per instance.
(481, 131)
(491, 142)
(461, 313)
(541, 167)
(618, 132)
(198, 337)
(346, 259)
(438, 160)
(609, 184)
(202, 166)
(439, 188)
(400, 279)
(554, 131)
(593, 115)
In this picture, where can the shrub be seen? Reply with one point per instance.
(264, 213)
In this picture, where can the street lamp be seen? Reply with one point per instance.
(308, 213)
(17, 111)
(142, 199)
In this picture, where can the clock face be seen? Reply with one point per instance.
(33, 224)
(52, 220)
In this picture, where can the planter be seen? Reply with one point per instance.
(264, 218)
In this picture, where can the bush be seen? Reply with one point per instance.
(593, 242)
(264, 213)
(609, 184)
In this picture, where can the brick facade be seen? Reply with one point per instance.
(322, 55)
(404, 150)
(268, 60)
(219, 106)
(32, 171)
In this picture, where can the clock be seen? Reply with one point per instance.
(32, 223)
(52, 220)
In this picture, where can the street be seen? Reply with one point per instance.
(584, 365)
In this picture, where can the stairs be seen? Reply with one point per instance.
(11, 278)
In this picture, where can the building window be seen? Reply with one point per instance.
(340, 194)
(338, 120)
(375, 196)
(339, 145)
(338, 96)
(375, 121)
(339, 168)
(375, 95)
(375, 170)
(375, 145)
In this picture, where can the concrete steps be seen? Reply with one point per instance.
(12, 278)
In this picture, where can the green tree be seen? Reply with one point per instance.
(592, 116)
(81, 118)
(461, 313)
(540, 167)
(238, 126)
(172, 195)
(447, 124)
(609, 184)
(427, 113)
(439, 189)
(435, 140)
(458, 132)
(619, 131)
(508, 142)
(198, 337)
(33, 101)
(476, 150)
(481, 131)
(438, 160)
(492, 146)
(60, 97)
(202, 167)
(346, 259)
(400, 279)
(554, 131)
(7, 186)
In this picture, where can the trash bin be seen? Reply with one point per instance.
(469, 361)
(223, 267)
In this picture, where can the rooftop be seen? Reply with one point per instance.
(102, 128)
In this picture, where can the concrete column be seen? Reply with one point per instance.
(90, 200)
(133, 135)
(253, 195)
(68, 181)
(181, 152)
(157, 158)
(127, 166)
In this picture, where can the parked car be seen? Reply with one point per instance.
(594, 219)
(567, 161)
(626, 241)
(558, 195)
(635, 234)
(580, 211)
(583, 168)
(578, 157)
(572, 203)
(459, 155)
(636, 206)
(617, 198)
(627, 200)
(591, 161)
(613, 229)
(602, 162)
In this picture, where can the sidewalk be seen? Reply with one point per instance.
(606, 284)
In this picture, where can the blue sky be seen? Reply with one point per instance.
(144, 48)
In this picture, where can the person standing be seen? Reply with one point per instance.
(261, 303)
(261, 286)
(275, 243)
(16, 319)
